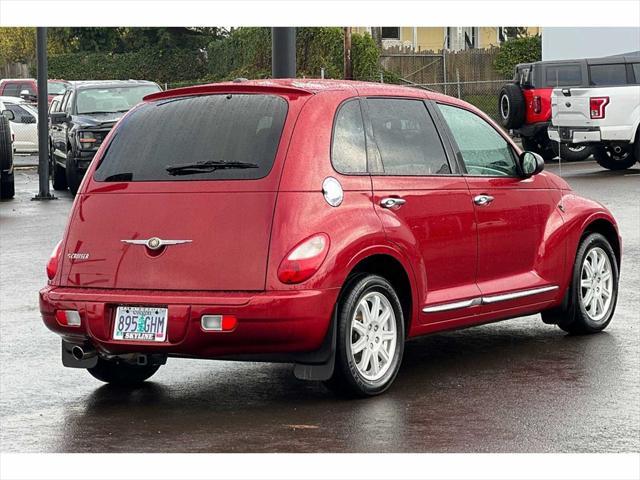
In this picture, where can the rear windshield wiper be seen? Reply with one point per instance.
(204, 167)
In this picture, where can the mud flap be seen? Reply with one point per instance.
(68, 360)
(319, 365)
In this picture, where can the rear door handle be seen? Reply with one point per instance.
(482, 199)
(392, 202)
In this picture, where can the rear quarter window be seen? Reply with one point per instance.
(348, 148)
(563, 75)
(180, 132)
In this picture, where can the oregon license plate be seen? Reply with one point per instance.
(146, 324)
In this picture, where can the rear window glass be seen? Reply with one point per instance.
(563, 76)
(222, 137)
(636, 71)
(608, 74)
(407, 138)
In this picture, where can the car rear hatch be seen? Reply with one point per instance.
(570, 107)
(154, 216)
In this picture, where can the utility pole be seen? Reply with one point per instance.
(43, 117)
(283, 52)
(348, 71)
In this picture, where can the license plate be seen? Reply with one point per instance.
(145, 324)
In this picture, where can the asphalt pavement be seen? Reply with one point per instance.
(514, 386)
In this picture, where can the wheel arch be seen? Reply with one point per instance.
(607, 229)
(388, 264)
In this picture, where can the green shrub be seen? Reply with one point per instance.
(148, 64)
(246, 52)
(518, 50)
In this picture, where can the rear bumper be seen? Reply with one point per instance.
(269, 323)
(591, 134)
(575, 135)
(531, 130)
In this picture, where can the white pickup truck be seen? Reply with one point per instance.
(606, 115)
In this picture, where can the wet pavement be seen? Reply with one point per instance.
(514, 386)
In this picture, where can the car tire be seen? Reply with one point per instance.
(539, 145)
(585, 314)
(611, 160)
(71, 173)
(511, 106)
(58, 175)
(7, 187)
(572, 153)
(376, 336)
(121, 373)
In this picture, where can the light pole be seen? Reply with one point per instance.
(283, 52)
(43, 117)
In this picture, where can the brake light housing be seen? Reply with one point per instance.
(304, 260)
(537, 104)
(597, 107)
(54, 260)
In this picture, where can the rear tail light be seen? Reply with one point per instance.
(304, 259)
(52, 264)
(218, 323)
(597, 106)
(537, 104)
(70, 318)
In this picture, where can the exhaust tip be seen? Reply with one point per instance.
(77, 352)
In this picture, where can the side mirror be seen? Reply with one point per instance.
(530, 164)
(26, 95)
(58, 117)
(9, 115)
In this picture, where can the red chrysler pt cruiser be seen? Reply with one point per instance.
(320, 223)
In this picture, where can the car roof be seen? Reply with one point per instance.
(80, 84)
(302, 86)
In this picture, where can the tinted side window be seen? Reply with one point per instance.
(181, 134)
(11, 90)
(636, 72)
(563, 75)
(407, 138)
(608, 74)
(484, 151)
(348, 150)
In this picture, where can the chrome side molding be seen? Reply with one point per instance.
(522, 293)
(443, 307)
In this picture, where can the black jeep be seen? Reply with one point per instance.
(82, 119)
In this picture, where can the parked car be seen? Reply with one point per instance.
(525, 103)
(604, 115)
(82, 119)
(7, 188)
(24, 124)
(27, 88)
(320, 223)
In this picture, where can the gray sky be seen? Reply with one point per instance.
(561, 43)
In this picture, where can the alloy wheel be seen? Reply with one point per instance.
(596, 284)
(373, 336)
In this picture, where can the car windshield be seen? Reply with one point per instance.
(209, 137)
(111, 99)
(56, 88)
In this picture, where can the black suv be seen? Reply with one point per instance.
(80, 121)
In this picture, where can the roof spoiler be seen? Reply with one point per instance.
(265, 86)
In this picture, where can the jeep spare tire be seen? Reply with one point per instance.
(511, 106)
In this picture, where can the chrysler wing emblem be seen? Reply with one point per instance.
(155, 243)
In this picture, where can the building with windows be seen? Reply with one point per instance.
(443, 38)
